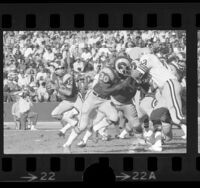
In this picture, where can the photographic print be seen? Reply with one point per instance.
(94, 91)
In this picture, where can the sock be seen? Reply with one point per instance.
(123, 133)
(71, 138)
(86, 136)
(101, 124)
(102, 131)
(65, 128)
(158, 139)
(167, 130)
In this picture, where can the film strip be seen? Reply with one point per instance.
(19, 166)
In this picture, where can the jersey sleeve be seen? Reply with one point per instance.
(69, 84)
(144, 65)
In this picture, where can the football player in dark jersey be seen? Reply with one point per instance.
(98, 99)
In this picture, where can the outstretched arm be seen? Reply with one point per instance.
(117, 86)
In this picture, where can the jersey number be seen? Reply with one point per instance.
(144, 62)
(104, 78)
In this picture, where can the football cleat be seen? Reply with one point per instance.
(155, 148)
(184, 137)
(106, 137)
(126, 136)
(61, 134)
(81, 144)
(149, 136)
(33, 128)
(95, 137)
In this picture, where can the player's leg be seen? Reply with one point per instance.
(93, 128)
(107, 114)
(144, 111)
(110, 115)
(172, 94)
(23, 120)
(130, 114)
(69, 120)
(167, 134)
(61, 108)
(33, 116)
(109, 109)
(72, 117)
(90, 104)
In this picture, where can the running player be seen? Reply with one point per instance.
(64, 84)
(122, 99)
(98, 99)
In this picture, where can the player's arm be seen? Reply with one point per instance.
(64, 91)
(117, 86)
(141, 69)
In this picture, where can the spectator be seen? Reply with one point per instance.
(23, 80)
(79, 65)
(25, 105)
(48, 55)
(41, 75)
(36, 52)
(42, 93)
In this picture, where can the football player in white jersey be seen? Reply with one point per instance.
(170, 94)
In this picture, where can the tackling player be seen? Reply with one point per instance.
(122, 99)
(170, 94)
(98, 99)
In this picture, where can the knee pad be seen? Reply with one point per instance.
(114, 119)
(77, 130)
(68, 115)
(75, 111)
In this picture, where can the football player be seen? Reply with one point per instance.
(98, 99)
(170, 94)
(122, 99)
(66, 89)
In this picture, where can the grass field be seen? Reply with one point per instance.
(46, 141)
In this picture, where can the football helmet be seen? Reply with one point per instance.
(122, 65)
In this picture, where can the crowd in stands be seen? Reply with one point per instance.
(31, 57)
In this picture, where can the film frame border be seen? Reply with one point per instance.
(156, 16)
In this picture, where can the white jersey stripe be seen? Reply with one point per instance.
(176, 105)
(179, 109)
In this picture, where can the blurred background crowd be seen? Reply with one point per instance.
(31, 57)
